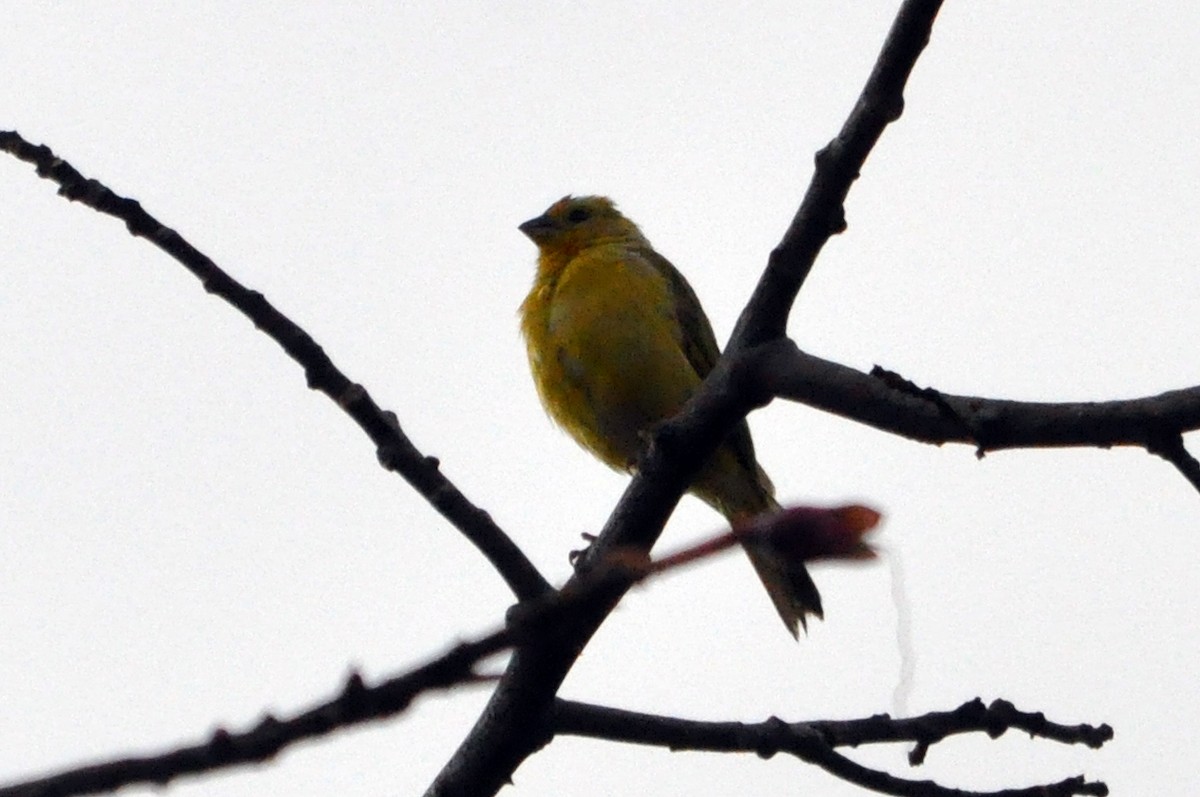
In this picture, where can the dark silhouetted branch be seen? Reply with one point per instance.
(1170, 447)
(357, 703)
(822, 212)
(513, 725)
(396, 451)
(811, 532)
(815, 742)
(889, 402)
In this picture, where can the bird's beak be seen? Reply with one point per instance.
(538, 229)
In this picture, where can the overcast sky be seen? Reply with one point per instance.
(189, 537)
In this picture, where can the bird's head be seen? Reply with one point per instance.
(573, 224)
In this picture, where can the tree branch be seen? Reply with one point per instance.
(358, 703)
(515, 722)
(822, 212)
(396, 451)
(889, 402)
(355, 704)
(815, 741)
(1170, 447)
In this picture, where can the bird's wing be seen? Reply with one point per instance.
(697, 340)
(699, 344)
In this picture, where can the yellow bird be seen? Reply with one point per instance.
(617, 343)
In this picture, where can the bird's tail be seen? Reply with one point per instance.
(740, 491)
(788, 583)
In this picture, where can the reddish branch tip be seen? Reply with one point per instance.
(806, 533)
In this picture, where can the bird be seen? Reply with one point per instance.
(617, 343)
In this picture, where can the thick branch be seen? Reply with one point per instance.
(815, 741)
(516, 721)
(888, 402)
(396, 451)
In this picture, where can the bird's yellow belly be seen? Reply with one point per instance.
(607, 368)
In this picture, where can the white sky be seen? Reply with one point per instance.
(191, 537)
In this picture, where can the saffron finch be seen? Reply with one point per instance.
(617, 343)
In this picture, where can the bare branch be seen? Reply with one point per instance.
(396, 451)
(822, 212)
(533, 620)
(355, 704)
(512, 726)
(815, 741)
(358, 703)
(889, 402)
(1171, 448)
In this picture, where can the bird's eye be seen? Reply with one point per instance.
(577, 215)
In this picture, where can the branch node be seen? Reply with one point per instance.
(1168, 444)
(776, 735)
(916, 756)
(353, 693)
(895, 381)
(1002, 714)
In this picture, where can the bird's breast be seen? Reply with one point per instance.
(605, 352)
